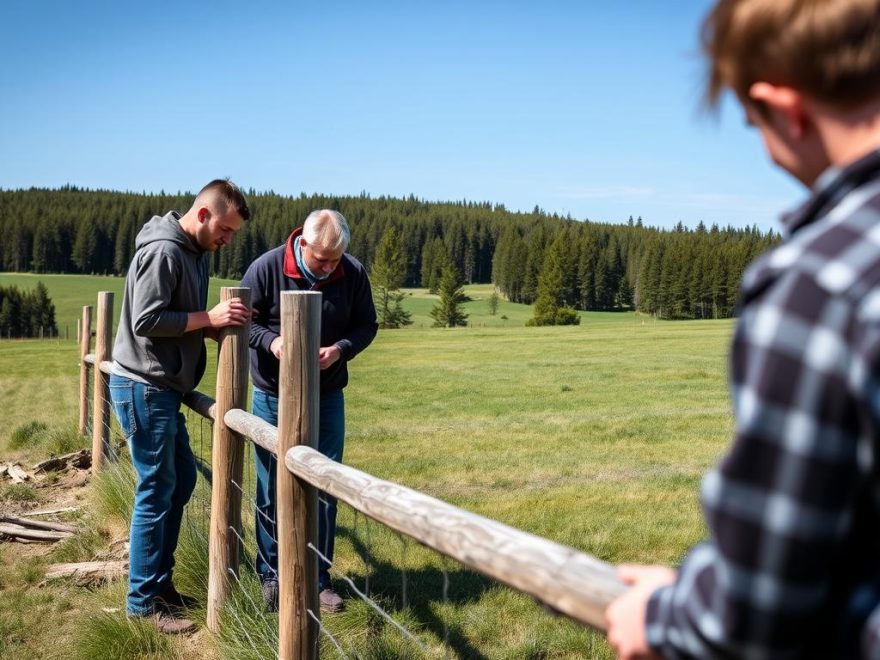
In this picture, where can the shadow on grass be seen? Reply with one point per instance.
(420, 591)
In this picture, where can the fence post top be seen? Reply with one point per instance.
(300, 293)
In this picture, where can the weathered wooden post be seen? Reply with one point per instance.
(84, 337)
(297, 523)
(227, 461)
(101, 407)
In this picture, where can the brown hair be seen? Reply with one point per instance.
(827, 49)
(230, 194)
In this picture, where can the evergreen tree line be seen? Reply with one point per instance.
(679, 273)
(27, 313)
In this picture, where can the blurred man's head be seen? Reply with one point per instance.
(806, 71)
(826, 49)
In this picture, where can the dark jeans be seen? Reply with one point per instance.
(331, 439)
(158, 441)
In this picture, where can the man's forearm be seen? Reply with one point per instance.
(197, 321)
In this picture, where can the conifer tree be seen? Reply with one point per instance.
(44, 310)
(550, 307)
(45, 254)
(447, 313)
(387, 276)
(124, 248)
(434, 257)
(493, 301)
(534, 258)
(84, 247)
(8, 317)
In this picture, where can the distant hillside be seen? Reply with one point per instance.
(672, 274)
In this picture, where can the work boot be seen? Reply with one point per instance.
(167, 622)
(172, 624)
(331, 602)
(269, 589)
(172, 600)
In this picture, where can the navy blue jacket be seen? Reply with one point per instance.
(348, 317)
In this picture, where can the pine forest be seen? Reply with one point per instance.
(532, 258)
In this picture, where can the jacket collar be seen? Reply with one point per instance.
(291, 268)
(832, 186)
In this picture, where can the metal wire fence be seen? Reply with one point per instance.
(405, 597)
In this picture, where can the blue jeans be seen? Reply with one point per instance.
(331, 439)
(157, 438)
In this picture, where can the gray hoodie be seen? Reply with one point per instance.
(167, 279)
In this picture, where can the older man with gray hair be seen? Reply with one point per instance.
(312, 259)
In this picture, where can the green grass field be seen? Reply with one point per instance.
(595, 436)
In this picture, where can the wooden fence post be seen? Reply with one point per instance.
(297, 523)
(101, 407)
(227, 461)
(84, 337)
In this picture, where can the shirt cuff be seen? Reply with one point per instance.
(266, 341)
(344, 345)
(657, 618)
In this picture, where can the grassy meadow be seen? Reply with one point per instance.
(595, 436)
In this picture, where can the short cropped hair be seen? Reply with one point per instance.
(328, 229)
(826, 49)
(230, 194)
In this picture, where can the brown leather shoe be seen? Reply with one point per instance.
(171, 624)
(166, 622)
(331, 602)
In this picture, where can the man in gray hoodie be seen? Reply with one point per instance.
(159, 356)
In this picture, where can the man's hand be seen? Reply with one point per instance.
(327, 355)
(625, 617)
(229, 312)
(277, 347)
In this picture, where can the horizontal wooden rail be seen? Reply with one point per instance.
(570, 582)
(106, 365)
(257, 430)
(197, 401)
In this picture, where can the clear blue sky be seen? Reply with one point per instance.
(585, 108)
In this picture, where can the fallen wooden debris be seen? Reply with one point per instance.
(88, 572)
(75, 478)
(81, 459)
(15, 532)
(51, 512)
(120, 547)
(116, 550)
(16, 473)
(37, 524)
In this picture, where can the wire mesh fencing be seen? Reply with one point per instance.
(403, 599)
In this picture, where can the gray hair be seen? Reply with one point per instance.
(327, 229)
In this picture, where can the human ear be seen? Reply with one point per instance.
(783, 106)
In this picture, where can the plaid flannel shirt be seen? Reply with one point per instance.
(792, 565)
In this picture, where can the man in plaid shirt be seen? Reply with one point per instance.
(792, 565)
